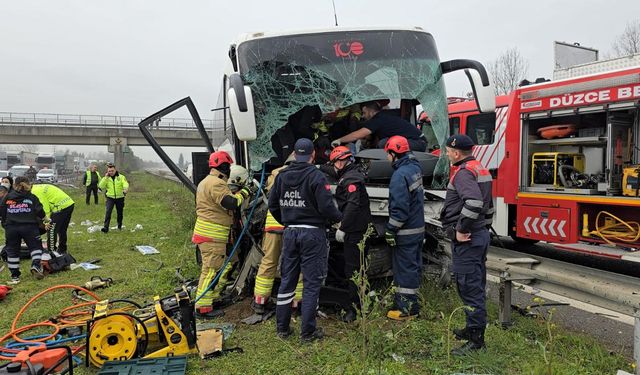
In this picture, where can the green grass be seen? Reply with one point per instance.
(165, 210)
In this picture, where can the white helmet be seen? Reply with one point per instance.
(238, 177)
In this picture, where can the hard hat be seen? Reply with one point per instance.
(219, 157)
(339, 153)
(397, 144)
(238, 175)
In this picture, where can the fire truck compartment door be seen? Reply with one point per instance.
(544, 223)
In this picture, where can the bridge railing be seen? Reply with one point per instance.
(56, 119)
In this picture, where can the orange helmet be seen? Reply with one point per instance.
(397, 144)
(219, 157)
(339, 153)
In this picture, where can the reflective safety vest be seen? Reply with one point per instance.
(205, 231)
(114, 187)
(270, 223)
(213, 222)
(88, 177)
(53, 198)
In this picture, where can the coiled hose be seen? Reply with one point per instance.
(616, 229)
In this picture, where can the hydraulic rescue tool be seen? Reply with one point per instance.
(167, 327)
(98, 282)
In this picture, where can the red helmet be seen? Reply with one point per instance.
(397, 144)
(339, 153)
(219, 157)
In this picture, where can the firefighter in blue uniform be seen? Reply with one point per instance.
(301, 200)
(353, 201)
(405, 229)
(466, 216)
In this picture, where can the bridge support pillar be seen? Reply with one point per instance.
(118, 155)
(117, 146)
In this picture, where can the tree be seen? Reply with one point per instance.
(628, 42)
(508, 70)
(29, 148)
(181, 161)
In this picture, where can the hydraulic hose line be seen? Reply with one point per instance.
(66, 319)
(616, 229)
(238, 240)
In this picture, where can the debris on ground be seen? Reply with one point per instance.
(93, 228)
(147, 250)
(137, 227)
(85, 266)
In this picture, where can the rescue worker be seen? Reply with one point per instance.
(90, 180)
(58, 206)
(467, 213)
(405, 228)
(31, 173)
(301, 200)
(21, 214)
(115, 187)
(353, 201)
(215, 206)
(383, 126)
(272, 248)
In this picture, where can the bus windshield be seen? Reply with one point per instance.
(319, 76)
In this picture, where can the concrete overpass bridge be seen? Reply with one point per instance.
(64, 129)
(116, 132)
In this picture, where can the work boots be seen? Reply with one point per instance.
(476, 342)
(318, 334)
(258, 308)
(462, 333)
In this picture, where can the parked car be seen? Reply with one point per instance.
(18, 170)
(47, 176)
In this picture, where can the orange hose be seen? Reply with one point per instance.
(56, 328)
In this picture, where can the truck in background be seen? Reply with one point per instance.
(45, 161)
(21, 158)
(64, 163)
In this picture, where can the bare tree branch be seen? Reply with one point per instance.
(29, 148)
(628, 42)
(508, 70)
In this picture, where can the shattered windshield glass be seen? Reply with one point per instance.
(312, 84)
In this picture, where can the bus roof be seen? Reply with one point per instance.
(271, 34)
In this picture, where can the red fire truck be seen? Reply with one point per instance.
(565, 159)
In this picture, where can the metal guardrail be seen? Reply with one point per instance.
(56, 119)
(608, 290)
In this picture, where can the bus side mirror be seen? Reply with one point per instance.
(480, 83)
(241, 108)
(485, 95)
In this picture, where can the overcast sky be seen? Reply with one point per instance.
(127, 57)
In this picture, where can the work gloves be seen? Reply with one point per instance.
(390, 237)
(245, 192)
(340, 235)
